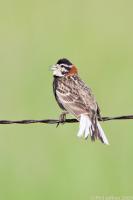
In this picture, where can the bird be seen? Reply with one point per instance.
(75, 97)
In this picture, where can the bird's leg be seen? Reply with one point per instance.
(62, 118)
(100, 118)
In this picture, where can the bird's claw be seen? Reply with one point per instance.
(62, 119)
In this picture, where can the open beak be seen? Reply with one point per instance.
(54, 67)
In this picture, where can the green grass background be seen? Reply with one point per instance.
(41, 161)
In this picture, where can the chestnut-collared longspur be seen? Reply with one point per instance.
(74, 97)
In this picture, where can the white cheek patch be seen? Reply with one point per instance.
(60, 71)
(64, 70)
(57, 72)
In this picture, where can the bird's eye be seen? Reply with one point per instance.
(62, 68)
(65, 68)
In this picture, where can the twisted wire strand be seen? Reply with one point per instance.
(56, 121)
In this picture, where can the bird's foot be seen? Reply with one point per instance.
(62, 118)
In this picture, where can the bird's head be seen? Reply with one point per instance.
(64, 67)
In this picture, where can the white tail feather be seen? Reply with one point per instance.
(86, 128)
(85, 125)
(82, 126)
(102, 134)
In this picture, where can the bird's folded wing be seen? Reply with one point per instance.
(72, 103)
(76, 97)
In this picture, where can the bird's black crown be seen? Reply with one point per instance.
(64, 61)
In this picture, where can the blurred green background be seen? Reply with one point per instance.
(44, 162)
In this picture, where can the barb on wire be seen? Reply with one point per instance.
(56, 121)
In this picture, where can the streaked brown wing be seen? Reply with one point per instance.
(75, 97)
(88, 97)
(72, 104)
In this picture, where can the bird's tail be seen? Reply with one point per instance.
(92, 128)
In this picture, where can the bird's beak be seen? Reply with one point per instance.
(54, 67)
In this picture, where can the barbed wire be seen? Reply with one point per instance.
(56, 121)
